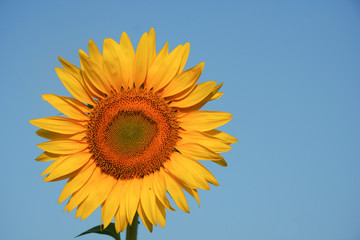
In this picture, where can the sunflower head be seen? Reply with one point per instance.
(133, 132)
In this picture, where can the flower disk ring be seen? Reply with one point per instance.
(132, 134)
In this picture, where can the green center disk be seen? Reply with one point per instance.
(130, 133)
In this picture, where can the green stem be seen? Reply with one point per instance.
(131, 231)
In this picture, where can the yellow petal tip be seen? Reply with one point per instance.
(201, 65)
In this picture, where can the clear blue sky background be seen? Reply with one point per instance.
(291, 78)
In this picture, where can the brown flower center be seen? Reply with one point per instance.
(132, 133)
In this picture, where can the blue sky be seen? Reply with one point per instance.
(291, 78)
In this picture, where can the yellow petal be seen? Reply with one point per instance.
(198, 167)
(68, 106)
(199, 93)
(70, 164)
(127, 56)
(47, 156)
(94, 53)
(94, 74)
(74, 86)
(112, 65)
(188, 176)
(205, 100)
(175, 191)
(216, 89)
(216, 96)
(79, 210)
(100, 191)
(151, 46)
(141, 61)
(155, 65)
(198, 151)
(111, 204)
(205, 140)
(133, 197)
(80, 195)
(117, 222)
(120, 221)
(53, 165)
(63, 146)
(121, 214)
(59, 124)
(169, 68)
(148, 199)
(160, 213)
(186, 51)
(64, 177)
(74, 201)
(221, 162)
(183, 81)
(204, 120)
(71, 68)
(227, 138)
(160, 190)
(90, 87)
(126, 46)
(144, 218)
(81, 77)
(194, 193)
(59, 136)
(77, 181)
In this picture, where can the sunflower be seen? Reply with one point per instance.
(133, 132)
